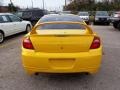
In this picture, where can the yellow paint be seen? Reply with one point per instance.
(59, 52)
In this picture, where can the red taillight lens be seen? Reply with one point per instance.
(27, 43)
(96, 43)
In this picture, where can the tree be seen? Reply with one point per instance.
(13, 8)
(92, 5)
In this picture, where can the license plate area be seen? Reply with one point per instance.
(62, 63)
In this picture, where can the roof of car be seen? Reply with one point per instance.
(6, 14)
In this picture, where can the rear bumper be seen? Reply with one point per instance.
(79, 62)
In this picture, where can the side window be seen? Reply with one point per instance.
(14, 18)
(1, 19)
(4, 19)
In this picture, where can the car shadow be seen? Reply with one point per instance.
(65, 80)
(12, 38)
(64, 77)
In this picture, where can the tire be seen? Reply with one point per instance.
(115, 25)
(1, 37)
(28, 29)
(118, 26)
(108, 23)
(94, 23)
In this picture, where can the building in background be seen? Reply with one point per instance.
(4, 9)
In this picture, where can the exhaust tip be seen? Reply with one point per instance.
(36, 73)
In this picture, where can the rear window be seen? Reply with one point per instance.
(60, 18)
(62, 26)
(83, 14)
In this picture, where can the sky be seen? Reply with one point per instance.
(49, 4)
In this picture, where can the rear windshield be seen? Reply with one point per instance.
(66, 12)
(60, 18)
(83, 14)
(62, 26)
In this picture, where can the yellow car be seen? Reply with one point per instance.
(61, 44)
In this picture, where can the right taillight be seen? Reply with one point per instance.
(27, 43)
(96, 43)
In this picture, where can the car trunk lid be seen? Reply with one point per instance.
(61, 41)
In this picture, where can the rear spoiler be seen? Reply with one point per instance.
(40, 24)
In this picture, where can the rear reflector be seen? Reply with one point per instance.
(27, 43)
(96, 43)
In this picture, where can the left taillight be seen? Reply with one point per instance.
(96, 43)
(27, 43)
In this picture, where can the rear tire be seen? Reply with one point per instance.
(94, 23)
(115, 25)
(108, 23)
(28, 29)
(1, 37)
(118, 26)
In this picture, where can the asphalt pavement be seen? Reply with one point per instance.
(13, 77)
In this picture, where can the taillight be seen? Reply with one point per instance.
(27, 43)
(96, 43)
